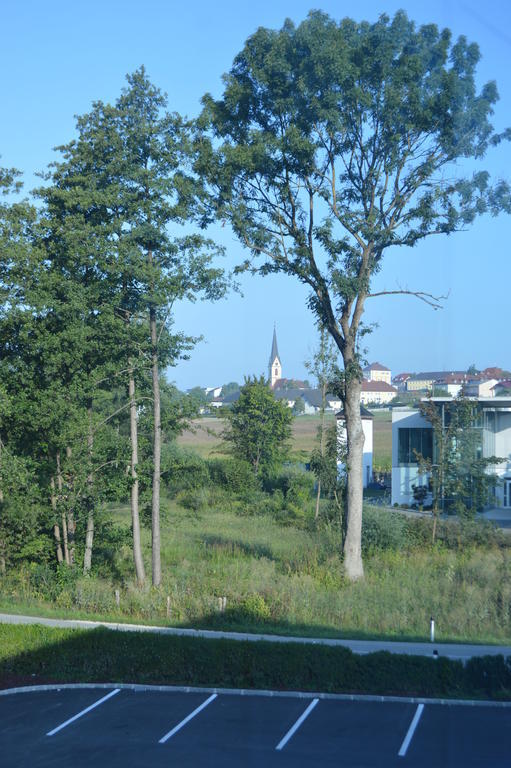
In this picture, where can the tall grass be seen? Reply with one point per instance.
(280, 578)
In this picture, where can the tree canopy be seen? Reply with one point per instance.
(333, 142)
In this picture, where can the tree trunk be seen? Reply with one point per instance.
(355, 439)
(321, 443)
(71, 524)
(156, 559)
(318, 496)
(63, 514)
(135, 518)
(89, 535)
(56, 529)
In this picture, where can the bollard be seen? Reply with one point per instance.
(117, 598)
(224, 604)
(168, 607)
(432, 630)
(220, 604)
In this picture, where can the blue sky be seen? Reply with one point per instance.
(57, 57)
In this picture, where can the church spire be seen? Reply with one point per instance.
(274, 347)
(274, 366)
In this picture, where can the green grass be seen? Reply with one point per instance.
(37, 654)
(205, 440)
(282, 579)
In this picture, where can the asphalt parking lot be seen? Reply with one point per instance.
(122, 727)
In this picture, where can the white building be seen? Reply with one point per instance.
(377, 372)
(377, 392)
(412, 432)
(367, 460)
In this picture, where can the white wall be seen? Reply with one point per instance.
(367, 457)
(404, 477)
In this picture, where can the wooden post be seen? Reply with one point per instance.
(168, 607)
(117, 598)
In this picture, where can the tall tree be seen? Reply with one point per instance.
(258, 428)
(127, 176)
(333, 142)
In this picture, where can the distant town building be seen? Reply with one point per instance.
(275, 364)
(377, 372)
(377, 392)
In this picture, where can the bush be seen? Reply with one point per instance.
(383, 530)
(233, 475)
(183, 470)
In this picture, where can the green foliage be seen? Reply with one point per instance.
(234, 475)
(77, 655)
(183, 470)
(258, 428)
(383, 530)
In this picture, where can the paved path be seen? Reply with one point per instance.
(118, 727)
(448, 650)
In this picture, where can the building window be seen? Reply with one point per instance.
(412, 441)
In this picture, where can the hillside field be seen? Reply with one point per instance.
(204, 437)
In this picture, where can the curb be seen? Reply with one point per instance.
(136, 687)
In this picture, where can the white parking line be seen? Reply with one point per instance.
(187, 719)
(83, 712)
(282, 743)
(411, 730)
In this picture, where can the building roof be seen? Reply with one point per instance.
(364, 413)
(377, 386)
(376, 367)
(435, 375)
(504, 384)
(402, 377)
(274, 348)
(458, 378)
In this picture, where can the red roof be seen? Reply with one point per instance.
(377, 386)
(376, 367)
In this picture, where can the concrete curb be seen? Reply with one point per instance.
(247, 692)
(456, 651)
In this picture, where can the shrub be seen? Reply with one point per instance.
(233, 475)
(183, 470)
(383, 530)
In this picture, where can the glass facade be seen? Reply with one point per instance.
(413, 441)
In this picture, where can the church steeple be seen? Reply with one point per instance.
(275, 366)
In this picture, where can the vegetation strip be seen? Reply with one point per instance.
(41, 654)
(453, 651)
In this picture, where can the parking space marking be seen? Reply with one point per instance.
(282, 743)
(83, 712)
(187, 719)
(411, 730)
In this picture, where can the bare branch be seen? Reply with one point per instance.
(427, 298)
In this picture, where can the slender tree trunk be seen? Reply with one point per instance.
(56, 529)
(3, 564)
(71, 524)
(321, 444)
(355, 438)
(89, 535)
(63, 514)
(135, 518)
(156, 558)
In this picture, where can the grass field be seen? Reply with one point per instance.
(205, 439)
(288, 580)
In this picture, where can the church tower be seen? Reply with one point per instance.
(274, 366)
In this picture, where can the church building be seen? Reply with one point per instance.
(274, 366)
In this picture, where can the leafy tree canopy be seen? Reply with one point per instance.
(258, 427)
